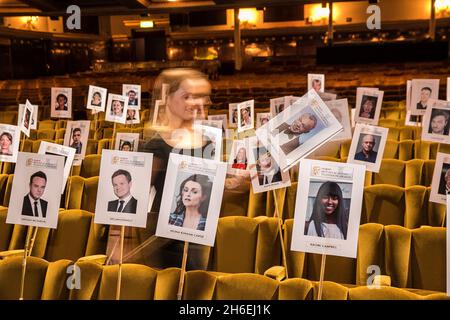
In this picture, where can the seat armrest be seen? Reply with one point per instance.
(11, 253)
(276, 272)
(382, 280)
(98, 258)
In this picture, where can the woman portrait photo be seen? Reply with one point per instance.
(246, 119)
(131, 114)
(61, 102)
(6, 141)
(240, 161)
(117, 108)
(329, 217)
(192, 203)
(96, 99)
(368, 107)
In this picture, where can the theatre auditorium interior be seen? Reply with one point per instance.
(104, 105)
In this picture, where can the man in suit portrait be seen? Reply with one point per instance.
(132, 100)
(76, 140)
(290, 137)
(425, 94)
(33, 205)
(439, 122)
(268, 171)
(121, 181)
(444, 184)
(367, 153)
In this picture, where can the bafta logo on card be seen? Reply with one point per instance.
(183, 164)
(115, 160)
(315, 170)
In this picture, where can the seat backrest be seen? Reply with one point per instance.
(90, 166)
(392, 172)
(69, 240)
(246, 245)
(391, 149)
(428, 258)
(6, 230)
(384, 204)
(245, 286)
(10, 278)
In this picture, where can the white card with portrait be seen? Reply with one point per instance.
(36, 190)
(299, 130)
(124, 188)
(67, 153)
(436, 122)
(367, 146)
(61, 103)
(9, 142)
(328, 208)
(440, 184)
(191, 200)
(96, 99)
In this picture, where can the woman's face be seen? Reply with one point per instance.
(244, 114)
(117, 107)
(329, 204)
(5, 142)
(241, 154)
(96, 99)
(368, 106)
(191, 194)
(125, 147)
(190, 99)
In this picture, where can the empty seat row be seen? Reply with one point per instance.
(48, 281)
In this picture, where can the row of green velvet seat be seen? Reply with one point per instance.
(413, 258)
(47, 281)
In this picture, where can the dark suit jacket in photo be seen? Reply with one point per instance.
(130, 207)
(133, 103)
(27, 209)
(276, 178)
(420, 106)
(77, 147)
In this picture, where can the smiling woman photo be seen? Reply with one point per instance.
(328, 219)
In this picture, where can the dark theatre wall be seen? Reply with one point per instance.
(383, 52)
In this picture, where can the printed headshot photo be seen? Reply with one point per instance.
(262, 119)
(96, 99)
(132, 93)
(33, 203)
(61, 102)
(246, 117)
(367, 149)
(117, 108)
(425, 95)
(133, 99)
(439, 123)
(126, 145)
(233, 115)
(444, 181)
(368, 107)
(291, 134)
(191, 201)
(75, 140)
(316, 82)
(239, 157)
(266, 167)
(121, 181)
(277, 105)
(132, 116)
(26, 120)
(328, 209)
(6, 143)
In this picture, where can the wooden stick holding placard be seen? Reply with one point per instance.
(183, 270)
(280, 231)
(22, 141)
(113, 134)
(119, 276)
(69, 187)
(322, 275)
(24, 263)
(33, 238)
